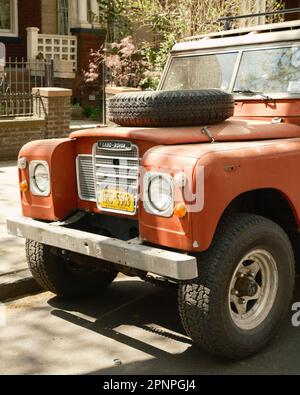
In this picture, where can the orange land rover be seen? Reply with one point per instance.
(198, 188)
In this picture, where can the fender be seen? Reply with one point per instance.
(235, 168)
(230, 169)
(60, 155)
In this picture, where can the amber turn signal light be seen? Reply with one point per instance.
(180, 210)
(24, 186)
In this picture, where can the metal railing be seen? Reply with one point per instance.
(16, 82)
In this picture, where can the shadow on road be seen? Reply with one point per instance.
(154, 312)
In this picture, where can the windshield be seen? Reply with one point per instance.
(267, 70)
(270, 71)
(201, 72)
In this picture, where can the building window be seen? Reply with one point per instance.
(63, 17)
(8, 18)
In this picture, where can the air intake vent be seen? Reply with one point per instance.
(85, 178)
(116, 171)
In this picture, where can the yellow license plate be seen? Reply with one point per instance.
(117, 200)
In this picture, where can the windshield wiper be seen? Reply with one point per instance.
(249, 92)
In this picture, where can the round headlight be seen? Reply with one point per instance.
(160, 193)
(41, 176)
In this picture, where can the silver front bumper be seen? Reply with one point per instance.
(133, 254)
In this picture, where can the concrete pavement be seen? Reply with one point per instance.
(133, 328)
(12, 257)
(78, 124)
(15, 278)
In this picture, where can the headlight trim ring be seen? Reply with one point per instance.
(149, 204)
(35, 188)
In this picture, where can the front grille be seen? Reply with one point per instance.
(85, 178)
(116, 169)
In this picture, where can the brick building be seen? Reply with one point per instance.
(65, 31)
(60, 30)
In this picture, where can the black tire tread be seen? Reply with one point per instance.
(50, 273)
(35, 260)
(202, 324)
(171, 108)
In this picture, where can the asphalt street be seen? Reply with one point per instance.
(133, 328)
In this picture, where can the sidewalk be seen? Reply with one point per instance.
(83, 124)
(14, 275)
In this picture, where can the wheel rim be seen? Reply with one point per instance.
(253, 289)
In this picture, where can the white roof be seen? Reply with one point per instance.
(277, 32)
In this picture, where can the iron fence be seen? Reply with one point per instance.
(17, 79)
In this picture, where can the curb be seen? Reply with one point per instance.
(17, 284)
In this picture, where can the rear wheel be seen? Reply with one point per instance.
(244, 289)
(64, 277)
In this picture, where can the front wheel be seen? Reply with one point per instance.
(244, 289)
(65, 277)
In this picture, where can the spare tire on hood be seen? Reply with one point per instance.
(171, 108)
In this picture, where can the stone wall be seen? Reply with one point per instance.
(54, 105)
(51, 119)
(14, 133)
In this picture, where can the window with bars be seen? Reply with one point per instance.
(63, 17)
